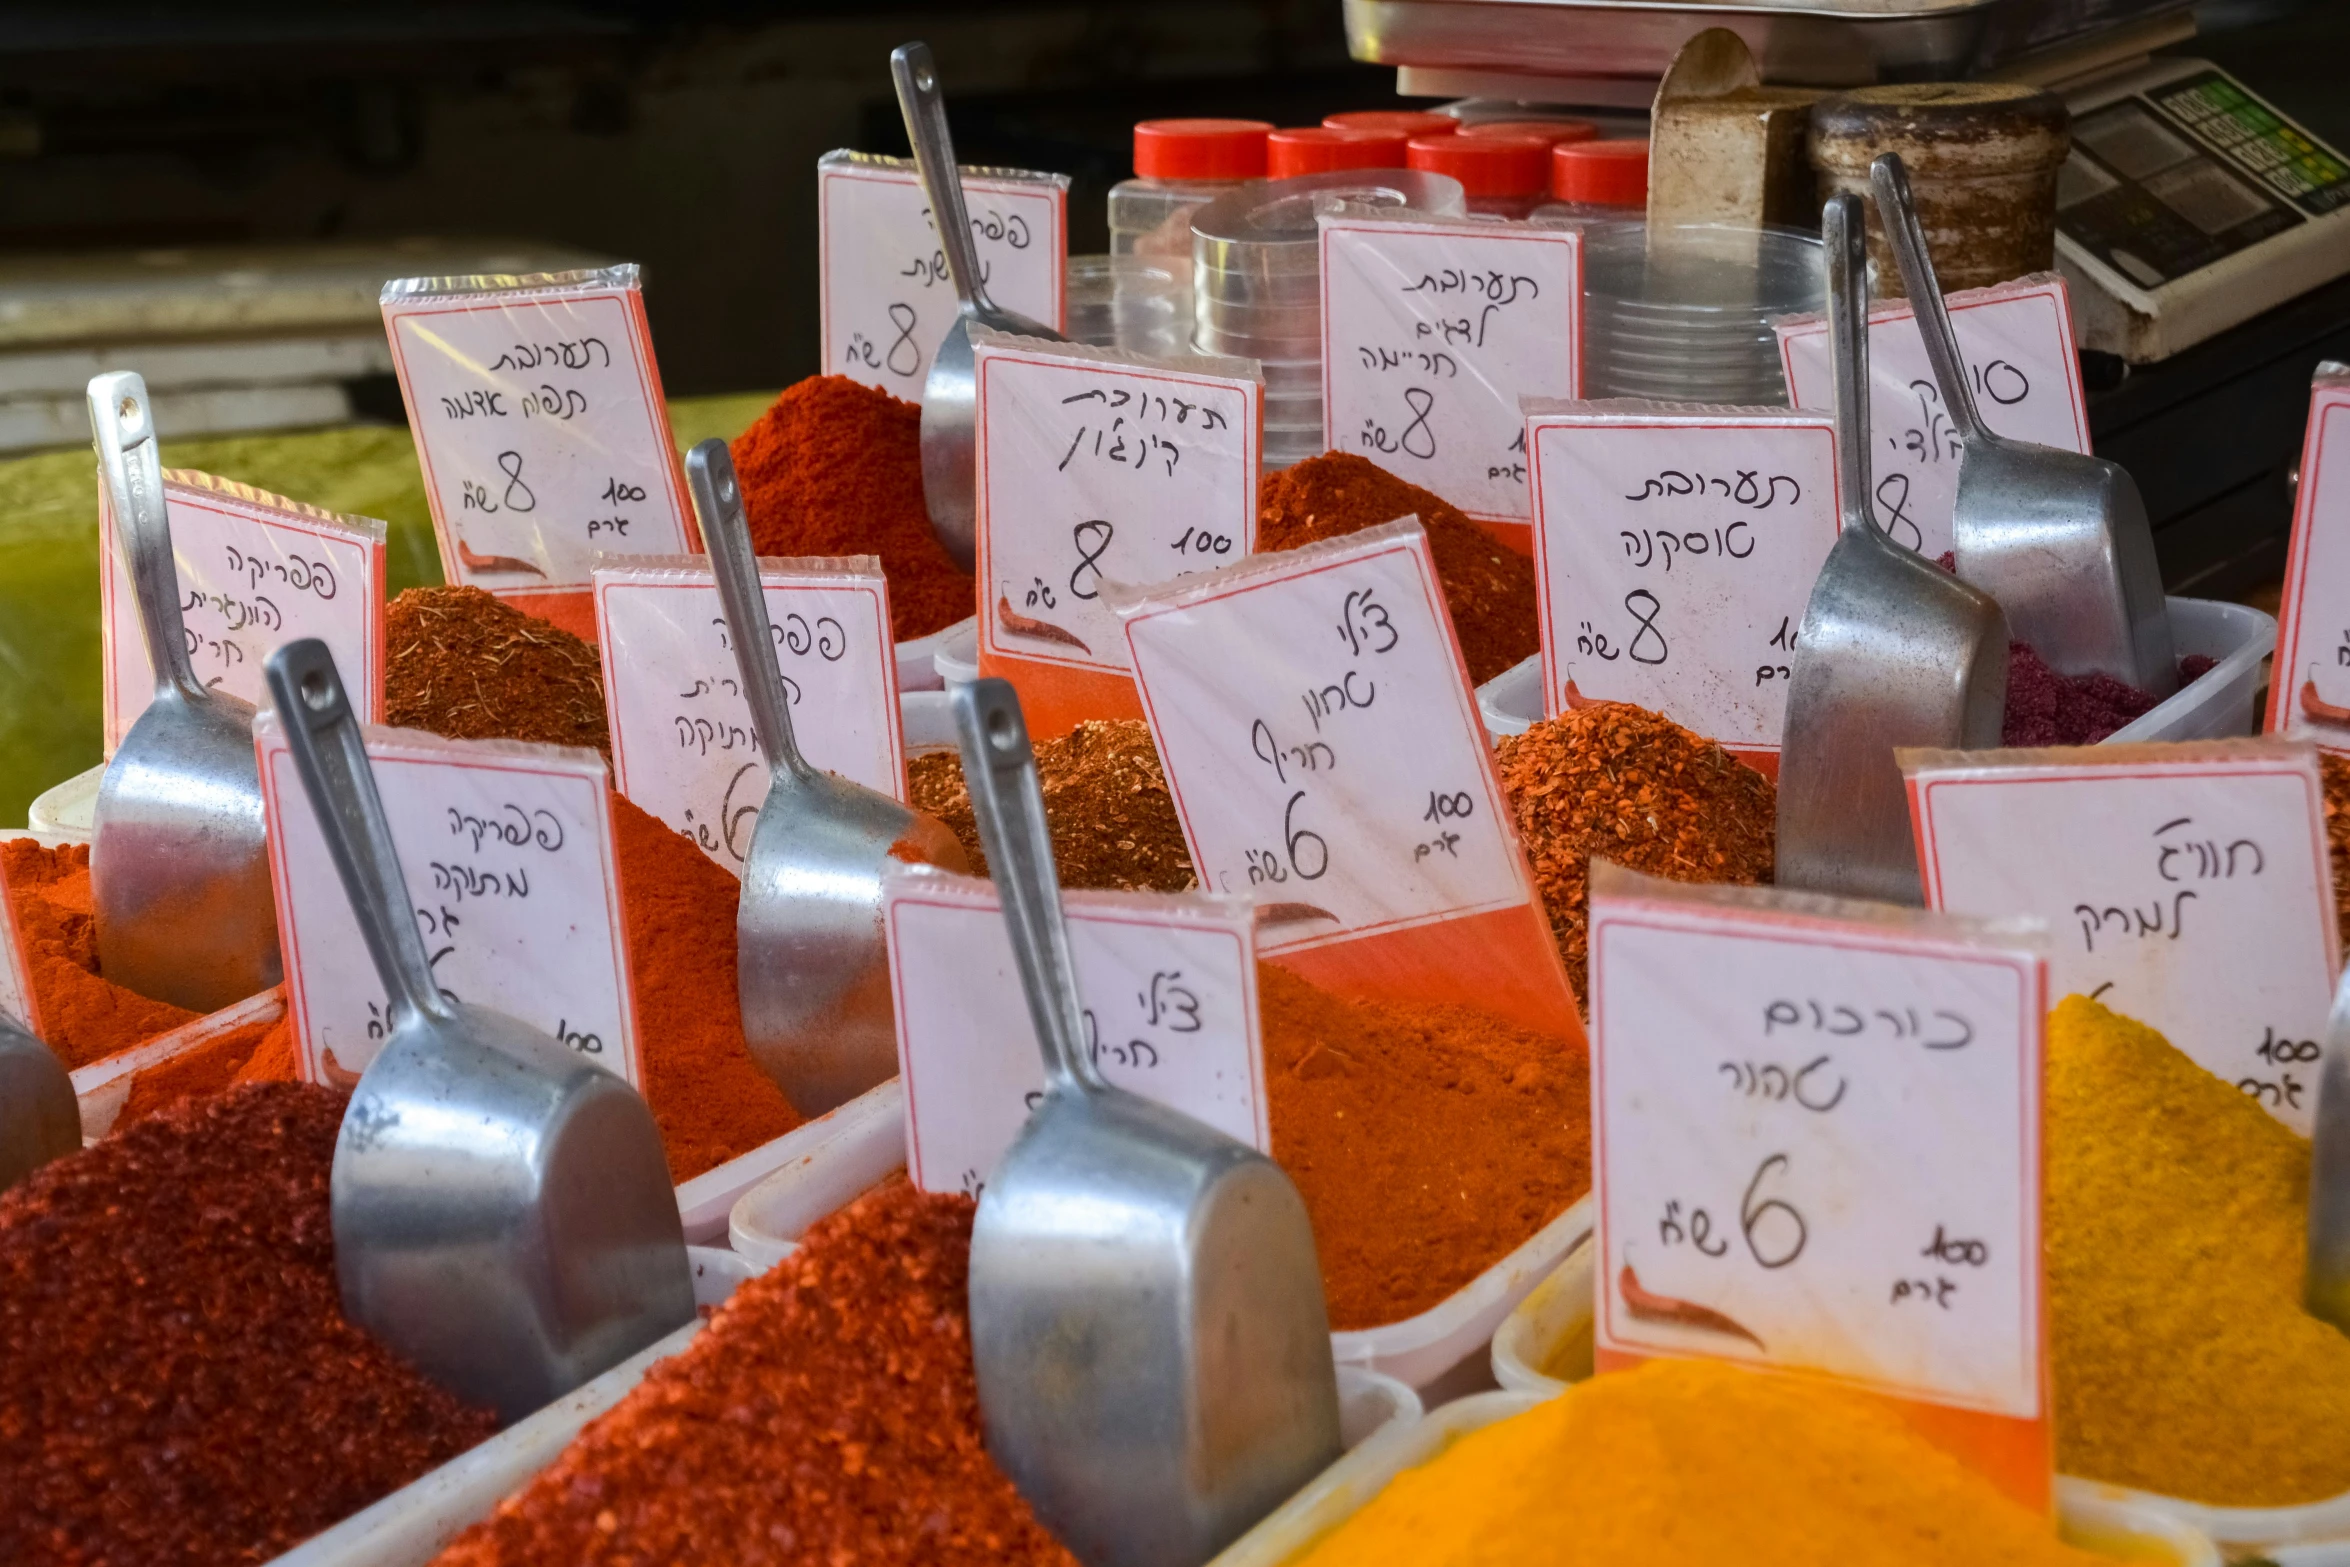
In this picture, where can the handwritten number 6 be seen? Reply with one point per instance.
(1297, 835)
(1750, 1217)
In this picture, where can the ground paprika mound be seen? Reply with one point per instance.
(1622, 783)
(179, 1386)
(1105, 798)
(226, 1059)
(462, 663)
(1428, 1142)
(83, 1017)
(835, 468)
(828, 1414)
(1488, 586)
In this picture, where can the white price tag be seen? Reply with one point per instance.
(1170, 992)
(1098, 467)
(255, 570)
(507, 851)
(887, 297)
(1676, 552)
(1816, 1140)
(683, 746)
(2017, 341)
(2309, 694)
(2186, 886)
(1431, 332)
(539, 422)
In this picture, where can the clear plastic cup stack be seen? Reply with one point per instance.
(1138, 303)
(1685, 316)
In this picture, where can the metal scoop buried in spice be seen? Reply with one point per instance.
(503, 1217)
(39, 1120)
(179, 860)
(812, 966)
(1894, 651)
(1146, 1306)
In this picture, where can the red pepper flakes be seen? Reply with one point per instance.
(178, 1384)
(827, 1415)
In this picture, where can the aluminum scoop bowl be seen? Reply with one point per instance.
(950, 395)
(179, 862)
(2060, 539)
(812, 966)
(1894, 651)
(39, 1120)
(1146, 1308)
(502, 1212)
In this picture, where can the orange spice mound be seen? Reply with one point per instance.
(708, 1096)
(241, 1055)
(1429, 1142)
(82, 1017)
(834, 467)
(1488, 587)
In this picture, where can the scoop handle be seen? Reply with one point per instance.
(1845, 252)
(999, 770)
(329, 752)
(122, 423)
(726, 530)
(925, 109)
(1899, 211)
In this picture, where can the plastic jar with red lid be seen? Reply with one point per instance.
(1553, 131)
(1503, 176)
(1412, 122)
(1180, 165)
(1322, 149)
(1599, 179)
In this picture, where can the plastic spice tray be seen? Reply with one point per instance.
(914, 655)
(2220, 704)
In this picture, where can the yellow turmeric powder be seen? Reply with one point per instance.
(2175, 1232)
(1693, 1463)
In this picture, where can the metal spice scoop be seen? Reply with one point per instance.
(1894, 651)
(503, 1217)
(2327, 1288)
(179, 863)
(811, 967)
(2060, 539)
(1146, 1307)
(39, 1120)
(950, 397)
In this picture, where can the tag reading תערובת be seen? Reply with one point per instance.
(1816, 1146)
(2186, 886)
(1169, 987)
(2017, 341)
(508, 854)
(2309, 693)
(1675, 551)
(683, 744)
(255, 570)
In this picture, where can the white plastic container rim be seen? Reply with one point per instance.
(916, 672)
(956, 658)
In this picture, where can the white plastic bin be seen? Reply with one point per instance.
(68, 812)
(929, 723)
(833, 1160)
(916, 671)
(957, 658)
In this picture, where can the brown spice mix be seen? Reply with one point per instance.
(2335, 770)
(1105, 798)
(462, 663)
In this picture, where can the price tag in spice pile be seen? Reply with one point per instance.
(507, 850)
(683, 746)
(2309, 696)
(1095, 467)
(1676, 552)
(2185, 886)
(887, 297)
(1431, 332)
(255, 570)
(539, 421)
(1169, 985)
(2017, 340)
(1826, 1155)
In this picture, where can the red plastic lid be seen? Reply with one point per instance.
(1319, 149)
(1200, 149)
(1485, 165)
(1412, 122)
(1552, 131)
(1605, 173)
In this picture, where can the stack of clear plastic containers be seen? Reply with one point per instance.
(1257, 283)
(1179, 167)
(1685, 315)
(1138, 303)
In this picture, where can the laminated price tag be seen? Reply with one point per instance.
(886, 295)
(683, 746)
(1170, 992)
(2017, 340)
(1431, 332)
(1675, 551)
(2186, 886)
(1816, 1146)
(2309, 694)
(1098, 467)
(1324, 751)
(507, 851)
(540, 425)
(255, 570)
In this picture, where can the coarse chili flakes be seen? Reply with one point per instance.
(1105, 798)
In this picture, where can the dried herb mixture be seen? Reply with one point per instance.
(1105, 798)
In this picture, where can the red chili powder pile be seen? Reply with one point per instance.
(828, 1415)
(256, 1052)
(83, 1017)
(835, 468)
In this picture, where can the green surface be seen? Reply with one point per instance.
(49, 706)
